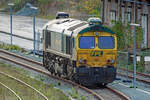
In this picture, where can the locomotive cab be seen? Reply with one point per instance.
(96, 55)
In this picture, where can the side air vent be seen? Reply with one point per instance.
(76, 26)
(63, 21)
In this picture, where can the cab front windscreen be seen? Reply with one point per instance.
(87, 42)
(106, 42)
(103, 42)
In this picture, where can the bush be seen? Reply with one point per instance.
(140, 65)
(74, 93)
(13, 47)
(125, 35)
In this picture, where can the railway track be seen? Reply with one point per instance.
(20, 84)
(13, 92)
(145, 78)
(37, 66)
(113, 94)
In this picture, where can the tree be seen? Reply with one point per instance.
(91, 6)
(125, 35)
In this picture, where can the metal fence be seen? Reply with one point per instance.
(125, 60)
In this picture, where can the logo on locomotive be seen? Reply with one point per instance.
(96, 53)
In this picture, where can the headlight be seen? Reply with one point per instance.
(82, 61)
(110, 61)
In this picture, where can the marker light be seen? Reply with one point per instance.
(113, 61)
(110, 61)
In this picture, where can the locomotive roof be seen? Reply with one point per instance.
(68, 26)
(98, 27)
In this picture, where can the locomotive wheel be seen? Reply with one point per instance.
(51, 67)
(59, 74)
(74, 78)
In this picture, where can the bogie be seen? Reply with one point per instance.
(56, 66)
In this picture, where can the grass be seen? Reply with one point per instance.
(48, 90)
(5, 94)
(23, 91)
(76, 95)
(131, 67)
(132, 87)
(11, 47)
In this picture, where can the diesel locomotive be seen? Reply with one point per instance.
(83, 51)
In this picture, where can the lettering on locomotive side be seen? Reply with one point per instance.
(97, 53)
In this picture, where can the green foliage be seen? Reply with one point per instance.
(120, 31)
(44, 6)
(83, 98)
(48, 8)
(140, 64)
(130, 67)
(74, 93)
(125, 35)
(44, 1)
(132, 87)
(47, 89)
(52, 98)
(11, 47)
(139, 36)
(19, 4)
(91, 6)
(59, 84)
(41, 78)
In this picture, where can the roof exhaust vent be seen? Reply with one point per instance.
(62, 15)
(94, 21)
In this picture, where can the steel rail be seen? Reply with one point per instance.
(118, 93)
(18, 56)
(11, 91)
(141, 74)
(138, 73)
(112, 92)
(138, 79)
(44, 72)
(24, 84)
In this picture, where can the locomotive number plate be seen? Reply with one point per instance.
(96, 53)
